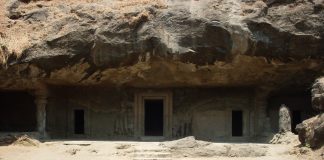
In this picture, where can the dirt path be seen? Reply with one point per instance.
(124, 150)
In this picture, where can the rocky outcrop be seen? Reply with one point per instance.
(318, 94)
(190, 147)
(162, 43)
(311, 131)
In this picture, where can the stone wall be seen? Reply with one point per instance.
(206, 113)
(108, 113)
(202, 112)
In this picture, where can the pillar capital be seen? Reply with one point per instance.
(262, 92)
(41, 91)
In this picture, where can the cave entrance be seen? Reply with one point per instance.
(153, 111)
(153, 114)
(296, 119)
(237, 123)
(79, 121)
(18, 112)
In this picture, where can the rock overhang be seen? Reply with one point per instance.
(169, 43)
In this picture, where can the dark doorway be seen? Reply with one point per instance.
(153, 117)
(79, 121)
(296, 119)
(237, 123)
(18, 112)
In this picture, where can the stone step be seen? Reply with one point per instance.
(152, 159)
(152, 154)
(152, 138)
(151, 150)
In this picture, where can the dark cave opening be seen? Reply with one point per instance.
(79, 121)
(153, 117)
(237, 123)
(18, 112)
(296, 118)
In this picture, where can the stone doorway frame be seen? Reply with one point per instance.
(139, 123)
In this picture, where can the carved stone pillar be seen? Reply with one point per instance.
(284, 119)
(41, 101)
(261, 120)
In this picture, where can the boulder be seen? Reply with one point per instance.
(311, 131)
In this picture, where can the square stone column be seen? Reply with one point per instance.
(41, 101)
(261, 120)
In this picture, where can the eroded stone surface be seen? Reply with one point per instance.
(200, 43)
(253, 46)
(311, 131)
(318, 94)
(284, 119)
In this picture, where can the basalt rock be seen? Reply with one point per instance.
(318, 94)
(180, 43)
(311, 131)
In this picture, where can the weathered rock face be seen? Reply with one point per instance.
(311, 131)
(255, 46)
(318, 94)
(162, 43)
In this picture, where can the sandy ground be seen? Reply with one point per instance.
(124, 150)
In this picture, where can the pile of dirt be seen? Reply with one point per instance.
(285, 138)
(190, 147)
(23, 140)
(187, 142)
